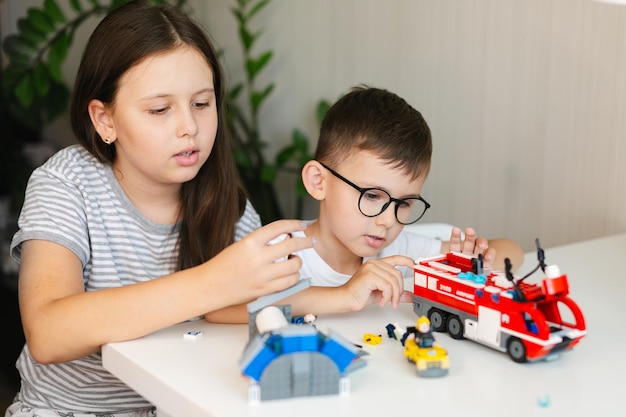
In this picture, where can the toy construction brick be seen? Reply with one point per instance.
(273, 298)
(357, 363)
(300, 374)
(558, 285)
(253, 330)
(256, 357)
(299, 339)
(340, 350)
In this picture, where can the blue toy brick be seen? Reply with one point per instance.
(299, 339)
(256, 358)
(341, 351)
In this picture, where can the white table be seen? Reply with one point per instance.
(186, 378)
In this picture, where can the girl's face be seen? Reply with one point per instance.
(165, 119)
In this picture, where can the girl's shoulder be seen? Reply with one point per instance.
(72, 163)
(71, 157)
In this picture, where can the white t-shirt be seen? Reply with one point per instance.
(407, 243)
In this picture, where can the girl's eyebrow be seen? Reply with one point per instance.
(209, 90)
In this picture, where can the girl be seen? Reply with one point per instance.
(142, 225)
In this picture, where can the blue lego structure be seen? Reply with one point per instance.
(285, 359)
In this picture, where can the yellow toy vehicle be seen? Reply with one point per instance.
(429, 361)
(421, 348)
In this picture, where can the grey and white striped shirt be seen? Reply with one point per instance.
(76, 201)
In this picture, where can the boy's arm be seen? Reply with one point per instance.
(378, 281)
(506, 248)
(316, 300)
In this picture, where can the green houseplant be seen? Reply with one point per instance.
(259, 174)
(34, 93)
(32, 87)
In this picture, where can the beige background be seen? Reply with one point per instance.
(526, 99)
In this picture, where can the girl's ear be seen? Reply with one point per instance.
(314, 179)
(102, 121)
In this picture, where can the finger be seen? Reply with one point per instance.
(389, 279)
(455, 240)
(277, 228)
(470, 241)
(281, 283)
(488, 259)
(389, 270)
(398, 260)
(481, 245)
(281, 275)
(406, 297)
(286, 247)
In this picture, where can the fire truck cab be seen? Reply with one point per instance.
(528, 321)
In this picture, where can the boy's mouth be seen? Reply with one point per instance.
(374, 241)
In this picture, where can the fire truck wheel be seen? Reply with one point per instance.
(437, 320)
(516, 350)
(455, 327)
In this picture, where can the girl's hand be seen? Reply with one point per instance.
(261, 262)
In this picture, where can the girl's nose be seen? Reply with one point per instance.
(187, 125)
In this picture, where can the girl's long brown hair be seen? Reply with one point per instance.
(214, 200)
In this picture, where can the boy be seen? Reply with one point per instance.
(372, 158)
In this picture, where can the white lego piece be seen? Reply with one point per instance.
(193, 335)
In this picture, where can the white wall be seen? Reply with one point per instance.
(526, 99)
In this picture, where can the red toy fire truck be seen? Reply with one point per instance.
(528, 321)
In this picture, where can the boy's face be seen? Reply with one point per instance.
(339, 210)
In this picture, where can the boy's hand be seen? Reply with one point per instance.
(472, 245)
(379, 281)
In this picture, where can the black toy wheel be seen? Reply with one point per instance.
(516, 350)
(455, 327)
(437, 320)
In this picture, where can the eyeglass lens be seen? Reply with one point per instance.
(374, 201)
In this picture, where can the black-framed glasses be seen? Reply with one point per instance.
(373, 201)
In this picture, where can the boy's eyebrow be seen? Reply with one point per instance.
(389, 192)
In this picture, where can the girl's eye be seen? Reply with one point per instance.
(158, 111)
(201, 105)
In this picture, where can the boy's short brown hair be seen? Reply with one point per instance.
(378, 121)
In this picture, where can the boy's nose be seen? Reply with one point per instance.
(388, 217)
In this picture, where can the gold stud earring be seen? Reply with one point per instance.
(107, 141)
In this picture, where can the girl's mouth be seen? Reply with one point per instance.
(187, 158)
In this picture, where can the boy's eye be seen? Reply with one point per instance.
(405, 203)
(374, 195)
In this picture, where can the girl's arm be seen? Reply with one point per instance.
(62, 322)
